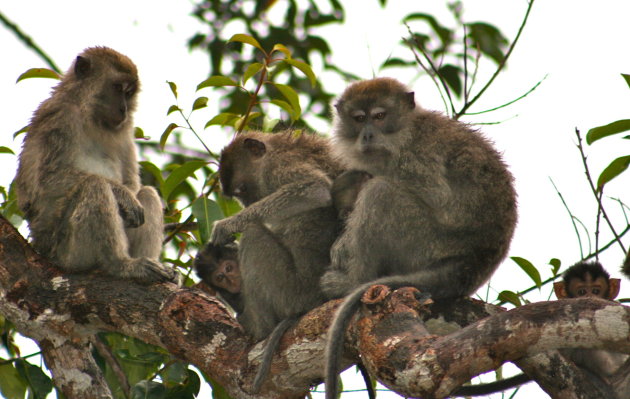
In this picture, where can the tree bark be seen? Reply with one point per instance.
(394, 333)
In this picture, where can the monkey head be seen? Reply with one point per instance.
(371, 120)
(240, 166)
(113, 78)
(217, 266)
(587, 280)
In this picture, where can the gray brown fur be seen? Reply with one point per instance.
(78, 182)
(438, 214)
(345, 190)
(288, 223)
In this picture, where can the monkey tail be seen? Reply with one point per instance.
(336, 332)
(492, 387)
(270, 348)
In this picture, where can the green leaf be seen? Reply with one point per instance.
(139, 133)
(206, 212)
(511, 297)
(167, 132)
(626, 78)
(305, 68)
(528, 268)
(600, 132)
(39, 73)
(199, 103)
(173, 87)
(223, 119)
(12, 385)
(250, 117)
(178, 175)
(292, 97)
(40, 384)
(283, 49)
(6, 150)
(189, 389)
(216, 81)
(229, 206)
(488, 39)
(613, 170)
(172, 108)
(287, 107)
(450, 74)
(555, 266)
(240, 37)
(252, 70)
(148, 390)
(23, 130)
(153, 170)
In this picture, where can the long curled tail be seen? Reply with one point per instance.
(336, 332)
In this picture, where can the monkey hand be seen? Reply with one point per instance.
(132, 215)
(335, 284)
(222, 232)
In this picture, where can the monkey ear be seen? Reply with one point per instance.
(256, 147)
(82, 67)
(410, 100)
(614, 285)
(560, 289)
(338, 106)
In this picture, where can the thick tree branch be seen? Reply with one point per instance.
(392, 333)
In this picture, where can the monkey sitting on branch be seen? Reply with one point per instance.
(438, 212)
(218, 267)
(78, 181)
(288, 225)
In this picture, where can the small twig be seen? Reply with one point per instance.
(501, 64)
(28, 42)
(595, 190)
(510, 102)
(106, 353)
(577, 233)
(15, 359)
(433, 70)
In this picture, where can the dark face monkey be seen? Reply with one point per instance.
(438, 213)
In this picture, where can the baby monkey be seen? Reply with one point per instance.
(218, 267)
(587, 280)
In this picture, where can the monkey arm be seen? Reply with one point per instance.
(289, 200)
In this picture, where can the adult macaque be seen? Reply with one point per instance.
(288, 225)
(438, 213)
(78, 182)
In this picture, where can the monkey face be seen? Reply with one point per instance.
(238, 169)
(114, 102)
(588, 288)
(374, 119)
(227, 276)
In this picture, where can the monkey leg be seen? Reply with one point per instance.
(94, 236)
(270, 292)
(146, 240)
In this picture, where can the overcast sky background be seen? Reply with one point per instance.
(582, 47)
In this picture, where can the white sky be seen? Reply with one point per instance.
(581, 45)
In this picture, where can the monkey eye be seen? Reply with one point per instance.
(219, 277)
(581, 292)
(596, 291)
(118, 87)
(379, 116)
(359, 118)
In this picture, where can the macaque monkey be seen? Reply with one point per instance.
(587, 280)
(438, 213)
(218, 267)
(78, 182)
(590, 280)
(345, 189)
(582, 280)
(288, 225)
